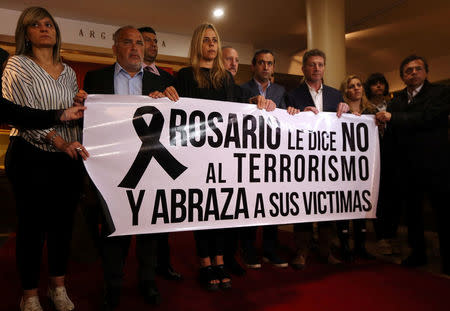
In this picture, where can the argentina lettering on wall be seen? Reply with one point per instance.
(195, 164)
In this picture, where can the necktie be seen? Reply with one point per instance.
(152, 70)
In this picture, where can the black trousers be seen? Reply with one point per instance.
(359, 232)
(303, 236)
(163, 250)
(416, 184)
(210, 243)
(269, 239)
(390, 203)
(114, 252)
(47, 187)
(232, 236)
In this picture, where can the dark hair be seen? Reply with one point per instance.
(373, 79)
(147, 29)
(409, 59)
(262, 51)
(313, 52)
(3, 56)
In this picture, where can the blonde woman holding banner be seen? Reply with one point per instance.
(207, 78)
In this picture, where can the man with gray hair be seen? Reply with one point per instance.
(125, 77)
(230, 59)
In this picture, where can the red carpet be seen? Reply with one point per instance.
(362, 286)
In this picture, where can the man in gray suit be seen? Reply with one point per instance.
(263, 64)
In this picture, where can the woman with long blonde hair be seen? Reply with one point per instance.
(353, 92)
(207, 78)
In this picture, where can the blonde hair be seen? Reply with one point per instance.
(218, 73)
(27, 18)
(365, 103)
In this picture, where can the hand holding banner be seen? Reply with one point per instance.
(201, 164)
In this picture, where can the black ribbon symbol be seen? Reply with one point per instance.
(151, 147)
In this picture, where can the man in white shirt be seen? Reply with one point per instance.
(313, 95)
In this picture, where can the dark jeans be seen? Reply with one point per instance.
(47, 187)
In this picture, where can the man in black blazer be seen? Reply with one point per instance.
(313, 95)
(263, 64)
(417, 134)
(126, 77)
(162, 80)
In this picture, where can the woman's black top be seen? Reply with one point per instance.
(187, 86)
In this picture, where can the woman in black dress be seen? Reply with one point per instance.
(207, 78)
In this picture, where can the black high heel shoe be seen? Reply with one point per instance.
(222, 274)
(206, 276)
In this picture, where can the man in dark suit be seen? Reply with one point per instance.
(126, 77)
(160, 79)
(313, 95)
(263, 64)
(417, 133)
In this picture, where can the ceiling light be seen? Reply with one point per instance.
(218, 12)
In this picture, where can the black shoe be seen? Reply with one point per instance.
(206, 276)
(150, 292)
(168, 273)
(363, 254)
(234, 267)
(415, 260)
(275, 260)
(222, 275)
(111, 296)
(108, 307)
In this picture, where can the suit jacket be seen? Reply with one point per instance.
(275, 92)
(300, 98)
(101, 81)
(418, 132)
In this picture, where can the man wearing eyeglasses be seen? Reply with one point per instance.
(417, 133)
(126, 77)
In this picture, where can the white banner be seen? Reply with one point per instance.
(200, 164)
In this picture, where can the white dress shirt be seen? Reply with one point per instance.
(317, 96)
